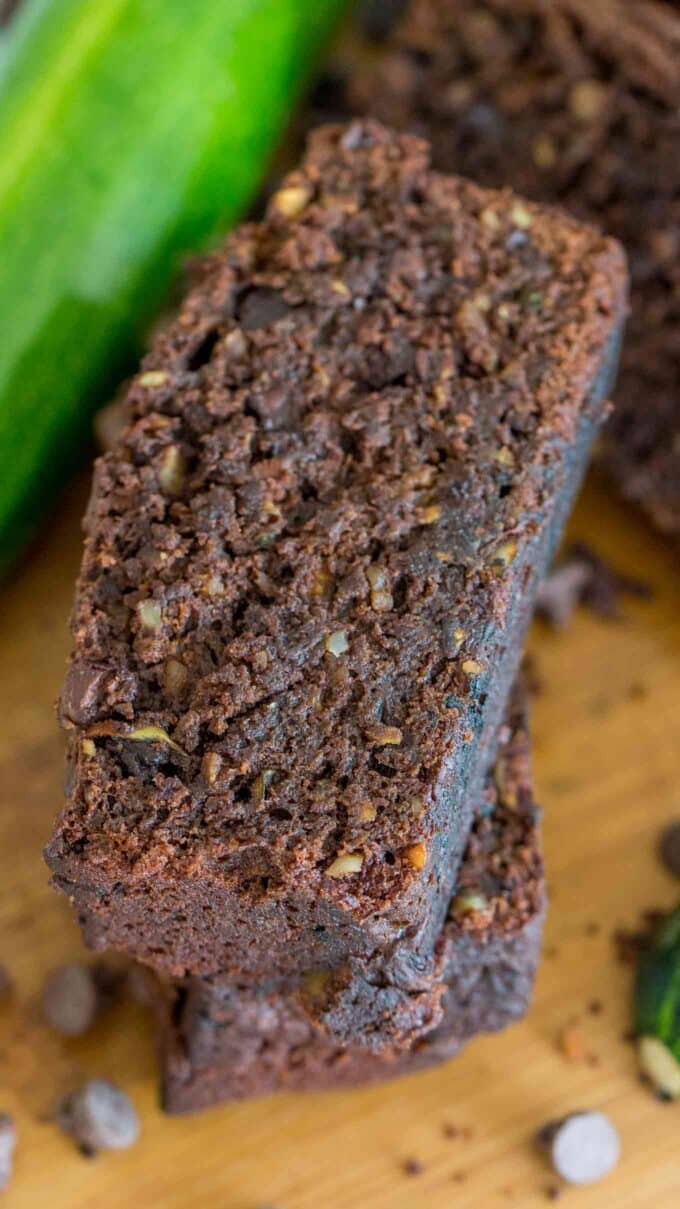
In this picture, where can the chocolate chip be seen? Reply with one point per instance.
(357, 135)
(259, 307)
(81, 693)
(388, 363)
(605, 585)
(98, 1116)
(669, 848)
(75, 994)
(8, 1141)
(585, 578)
(561, 592)
(70, 1000)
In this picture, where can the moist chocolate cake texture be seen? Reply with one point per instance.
(575, 102)
(311, 561)
(231, 1041)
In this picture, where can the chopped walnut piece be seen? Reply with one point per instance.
(210, 766)
(172, 473)
(422, 476)
(88, 748)
(343, 866)
(471, 667)
(416, 855)
(504, 456)
(587, 99)
(521, 216)
(150, 615)
(336, 644)
(261, 785)
(321, 583)
(381, 597)
(367, 812)
(290, 202)
(490, 218)
(213, 586)
(269, 508)
(544, 151)
(151, 734)
(428, 515)
(466, 904)
(315, 983)
(505, 784)
(153, 377)
(175, 676)
(235, 343)
(505, 554)
(109, 425)
(384, 736)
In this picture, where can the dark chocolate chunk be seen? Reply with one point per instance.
(81, 694)
(259, 307)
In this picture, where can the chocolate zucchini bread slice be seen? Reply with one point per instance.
(575, 102)
(218, 1043)
(310, 563)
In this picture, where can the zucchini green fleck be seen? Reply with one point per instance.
(657, 1006)
(131, 131)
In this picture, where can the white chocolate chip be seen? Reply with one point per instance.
(583, 1147)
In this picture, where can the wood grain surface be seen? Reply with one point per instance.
(607, 742)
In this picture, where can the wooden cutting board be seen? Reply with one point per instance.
(607, 742)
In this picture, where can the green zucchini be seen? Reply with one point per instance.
(130, 132)
(657, 1007)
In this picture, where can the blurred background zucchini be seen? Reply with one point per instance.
(131, 131)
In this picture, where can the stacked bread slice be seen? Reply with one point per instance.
(298, 787)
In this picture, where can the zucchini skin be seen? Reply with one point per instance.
(657, 987)
(131, 131)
